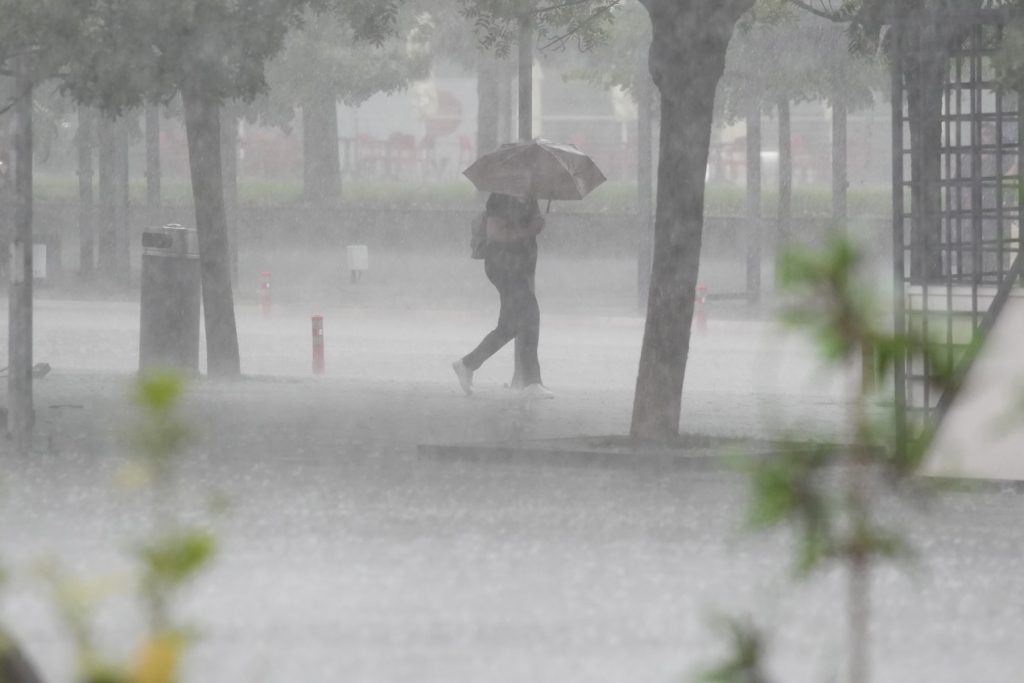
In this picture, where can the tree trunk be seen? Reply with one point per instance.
(840, 179)
(687, 60)
(21, 413)
(122, 201)
(229, 156)
(525, 105)
(525, 63)
(488, 102)
(785, 208)
(85, 142)
(321, 167)
(754, 205)
(504, 103)
(154, 200)
(644, 181)
(107, 248)
(202, 128)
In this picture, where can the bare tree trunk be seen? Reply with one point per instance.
(859, 620)
(840, 179)
(122, 202)
(504, 103)
(488, 103)
(858, 504)
(525, 63)
(202, 127)
(754, 205)
(86, 142)
(106, 256)
(321, 165)
(229, 157)
(644, 181)
(154, 201)
(525, 103)
(687, 60)
(785, 209)
(20, 408)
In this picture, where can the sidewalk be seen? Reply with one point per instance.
(388, 372)
(347, 557)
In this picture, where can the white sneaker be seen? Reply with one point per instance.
(537, 391)
(465, 376)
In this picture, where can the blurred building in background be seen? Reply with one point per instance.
(428, 133)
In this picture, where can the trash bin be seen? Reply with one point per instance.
(169, 325)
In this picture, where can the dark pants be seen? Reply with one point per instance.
(519, 316)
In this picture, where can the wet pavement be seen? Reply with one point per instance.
(346, 557)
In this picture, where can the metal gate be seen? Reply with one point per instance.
(957, 138)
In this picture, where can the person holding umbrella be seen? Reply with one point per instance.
(517, 175)
(510, 261)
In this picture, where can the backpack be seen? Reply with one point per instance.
(478, 237)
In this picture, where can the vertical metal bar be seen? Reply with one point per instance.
(951, 130)
(898, 247)
(960, 170)
(977, 174)
(999, 179)
(1020, 173)
(925, 44)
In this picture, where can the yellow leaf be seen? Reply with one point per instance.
(133, 477)
(158, 659)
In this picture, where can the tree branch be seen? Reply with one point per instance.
(830, 16)
(565, 5)
(560, 41)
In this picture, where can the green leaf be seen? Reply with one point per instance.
(744, 660)
(104, 672)
(174, 559)
(814, 545)
(159, 392)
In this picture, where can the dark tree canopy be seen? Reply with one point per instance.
(326, 57)
(134, 51)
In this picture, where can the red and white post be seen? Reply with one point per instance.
(700, 310)
(318, 345)
(265, 300)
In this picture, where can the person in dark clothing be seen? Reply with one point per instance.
(510, 261)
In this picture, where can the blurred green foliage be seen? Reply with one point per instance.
(170, 556)
(829, 493)
(159, 434)
(744, 662)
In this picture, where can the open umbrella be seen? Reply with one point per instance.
(539, 168)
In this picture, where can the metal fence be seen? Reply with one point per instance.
(957, 202)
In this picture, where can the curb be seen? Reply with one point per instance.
(697, 453)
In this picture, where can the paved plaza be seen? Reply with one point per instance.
(346, 557)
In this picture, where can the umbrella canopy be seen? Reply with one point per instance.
(539, 168)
